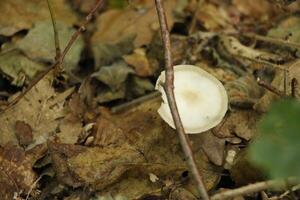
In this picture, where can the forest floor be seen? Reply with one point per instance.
(88, 128)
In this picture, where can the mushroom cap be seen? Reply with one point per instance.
(201, 99)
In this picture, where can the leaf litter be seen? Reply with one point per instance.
(133, 154)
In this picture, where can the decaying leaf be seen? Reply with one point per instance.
(41, 108)
(212, 146)
(17, 15)
(18, 68)
(107, 52)
(140, 86)
(244, 92)
(114, 24)
(239, 123)
(135, 143)
(17, 175)
(262, 10)
(233, 46)
(140, 63)
(113, 76)
(38, 44)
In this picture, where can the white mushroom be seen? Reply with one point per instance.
(201, 99)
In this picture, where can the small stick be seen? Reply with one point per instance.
(169, 89)
(82, 28)
(194, 20)
(271, 40)
(270, 87)
(256, 187)
(56, 36)
(135, 102)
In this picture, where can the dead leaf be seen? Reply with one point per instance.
(140, 63)
(17, 175)
(106, 52)
(114, 25)
(139, 86)
(239, 123)
(262, 10)
(23, 133)
(233, 46)
(18, 68)
(113, 76)
(212, 17)
(244, 92)
(41, 108)
(212, 146)
(19, 15)
(38, 44)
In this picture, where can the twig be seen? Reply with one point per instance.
(194, 20)
(32, 186)
(276, 41)
(295, 188)
(82, 28)
(169, 89)
(270, 88)
(135, 102)
(256, 187)
(62, 56)
(56, 36)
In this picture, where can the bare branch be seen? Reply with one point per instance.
(169, 89)
(256, 187)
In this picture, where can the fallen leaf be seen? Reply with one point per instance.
(23, 133)
(106, 52)
(140, 86)
(17, 175)
(262, 10)
(19, 15)
(41, 108)
(18, 68)
(114, 25)
(113, 76)
(139, 61)
(212, 146)
(38, 44)
(239, 123)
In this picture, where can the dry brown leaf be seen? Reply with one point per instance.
(136, 142)
(259, 9)
(41, 108)
(212, 146)
(239, 123)
(140, 63)
(213, 18)
(114, 25)
(17, 175)
(17, 15)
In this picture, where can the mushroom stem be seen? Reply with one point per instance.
(169, 89)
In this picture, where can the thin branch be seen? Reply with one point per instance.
(256, 187)
(169, 89)
(82, 28)
(56, 37)
(62, 56)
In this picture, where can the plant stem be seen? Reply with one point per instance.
(56, 36)
(169, 89)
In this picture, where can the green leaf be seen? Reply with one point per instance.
(277, 148)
